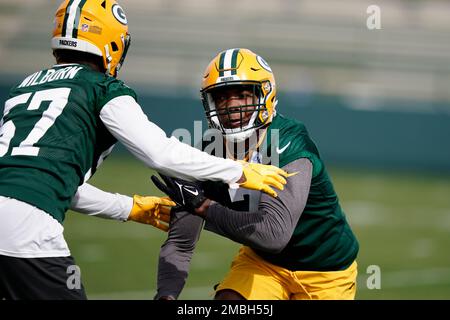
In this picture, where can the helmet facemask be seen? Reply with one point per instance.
(126, 42)
(236, 120)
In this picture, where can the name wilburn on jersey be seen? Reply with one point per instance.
(50, 75)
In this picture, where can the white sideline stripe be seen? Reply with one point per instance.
(368, 214)
(389, 280)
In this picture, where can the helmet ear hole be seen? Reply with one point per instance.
(114, 46)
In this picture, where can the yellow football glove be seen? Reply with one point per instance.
(263, 177)
(152, 210)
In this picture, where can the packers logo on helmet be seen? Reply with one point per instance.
(239, 69)
(93, 26)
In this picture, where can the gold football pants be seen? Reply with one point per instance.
(257, 279)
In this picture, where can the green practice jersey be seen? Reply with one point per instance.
(52, 138)
(322, 239)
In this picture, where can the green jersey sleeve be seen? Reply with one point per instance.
(112, 88)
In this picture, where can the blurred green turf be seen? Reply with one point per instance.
(402, 222)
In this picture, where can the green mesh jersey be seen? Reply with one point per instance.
(322, 239)
(52, 138)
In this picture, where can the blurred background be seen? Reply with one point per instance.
(376, 102)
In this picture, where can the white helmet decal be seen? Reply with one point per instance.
(263, 63)
(119, 14)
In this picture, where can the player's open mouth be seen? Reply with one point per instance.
(233, 124)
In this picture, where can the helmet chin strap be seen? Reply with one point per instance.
(241, 135)
(108, 59)
(238, 136)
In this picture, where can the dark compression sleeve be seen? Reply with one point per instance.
(270, 228)
(176, 253)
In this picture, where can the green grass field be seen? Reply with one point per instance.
(402, 222)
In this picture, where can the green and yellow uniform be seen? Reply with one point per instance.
(318, 261)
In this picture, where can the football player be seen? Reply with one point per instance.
(296, 246)
(59, 124)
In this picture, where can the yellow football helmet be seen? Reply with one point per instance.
(244, 69)
(93, 26)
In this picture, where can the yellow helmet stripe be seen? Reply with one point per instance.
(72, 18)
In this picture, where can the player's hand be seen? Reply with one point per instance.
(186, 194)
(152, 210)
(263, 177)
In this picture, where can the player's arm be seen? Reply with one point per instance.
(127, 122)
(271, 226)
(176, 253)
(92, 201)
